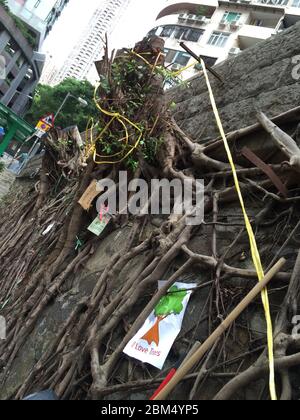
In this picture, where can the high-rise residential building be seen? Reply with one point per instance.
(49, 72)
(23, 27)
(90, 46)
(218, 29)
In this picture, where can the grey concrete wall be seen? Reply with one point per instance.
(258, 78)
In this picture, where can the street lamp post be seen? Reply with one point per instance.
(32, 152)
(83, 102)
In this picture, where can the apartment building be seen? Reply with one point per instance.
(90, 46)
(218, 29)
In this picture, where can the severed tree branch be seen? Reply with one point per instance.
(226, 269)
(282, 140)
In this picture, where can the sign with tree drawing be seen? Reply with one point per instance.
(168, 305)
(154, 341)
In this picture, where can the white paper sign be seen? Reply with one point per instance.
(152, 344)
(49, 228)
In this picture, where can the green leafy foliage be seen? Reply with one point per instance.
(132, 163)
(127, 90)
(48, 99)
(150, 148)
(171, 80)
(3, 3)
(171, 303)
(131, 79)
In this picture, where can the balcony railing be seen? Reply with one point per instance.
(229, 26)
(249, 35)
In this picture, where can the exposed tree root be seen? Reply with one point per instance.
(45, 243)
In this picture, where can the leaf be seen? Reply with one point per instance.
(48, 99)
(171, 303)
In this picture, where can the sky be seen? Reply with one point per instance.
(133, 26)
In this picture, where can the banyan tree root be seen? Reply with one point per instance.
(284, 341)
(36, 266)
(282, 140)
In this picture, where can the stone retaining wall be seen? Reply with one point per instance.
(262, 77)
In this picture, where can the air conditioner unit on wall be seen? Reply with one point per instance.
(192, 18)
(182, 16)
(235, 25)
(234, 51)
(201, 19)
(222, 25)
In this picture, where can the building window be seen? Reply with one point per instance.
(192, 35)
(230, 17)
(152, 32)
(257, 22)
(209, 61)
(170, 55)
(218, 39)
(180, 33)
(182, 58)
(29, 74)
(9, 78)
(296, 3)
(168, 31)
(10, 49)
(20, 62)
(177, 57)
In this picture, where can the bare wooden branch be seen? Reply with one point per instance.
(286, 143)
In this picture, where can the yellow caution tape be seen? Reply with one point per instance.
(91, 149)
(178, 73)
(91, 145)
(254, 249)
(144, 59)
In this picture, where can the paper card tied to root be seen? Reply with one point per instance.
(89, 195)
(152, 344)
(98, 225)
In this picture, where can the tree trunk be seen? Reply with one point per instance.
(152, 336)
